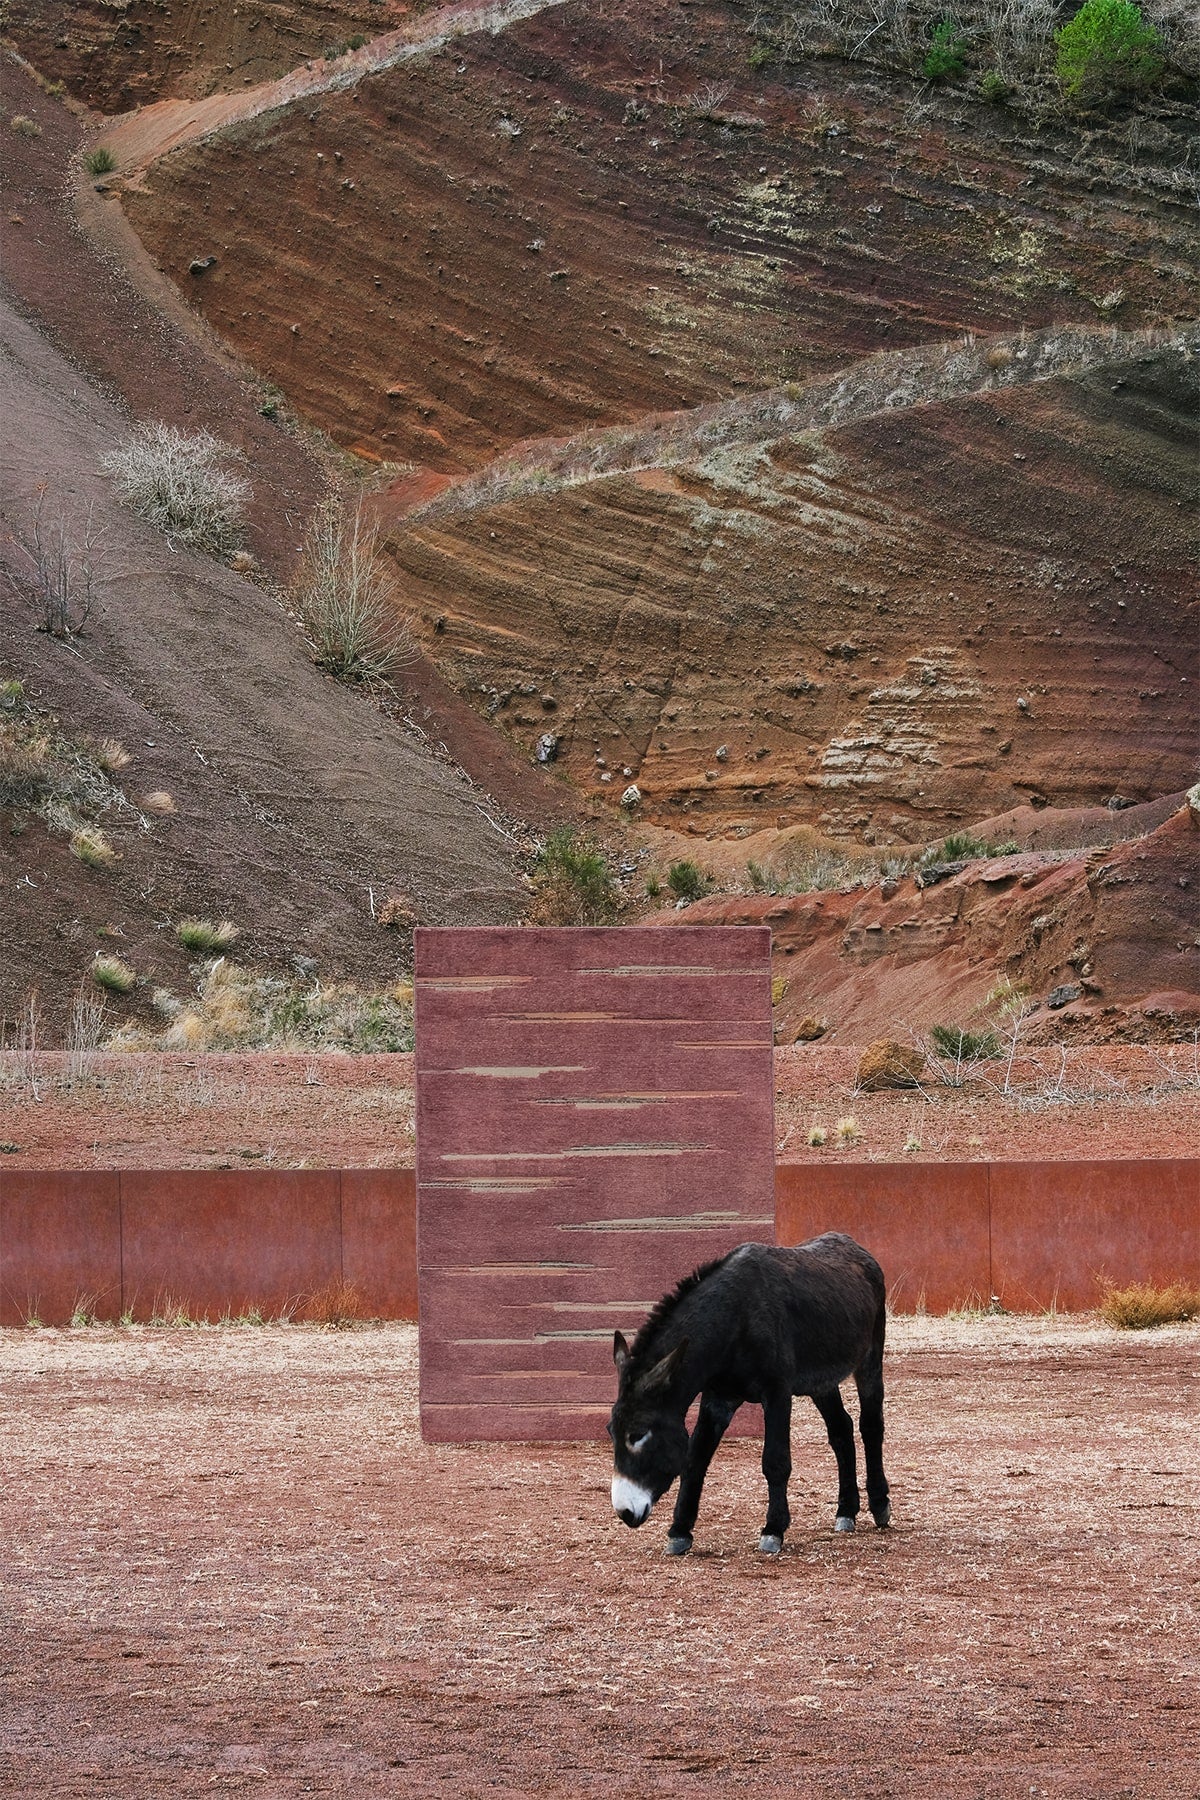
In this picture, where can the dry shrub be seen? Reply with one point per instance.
(247, 1009)
(185, 483)
(61, 563)
(159, 802)
(344, 597)
(338, 1304)
(1142, 1305)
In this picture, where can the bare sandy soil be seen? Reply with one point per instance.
(231, 1565)
(326, 1111)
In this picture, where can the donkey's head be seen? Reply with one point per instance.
(648, 1432)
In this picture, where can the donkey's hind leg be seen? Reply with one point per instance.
(869, 1381)
(841, 1437)
(711, 1424)
(777, 1467)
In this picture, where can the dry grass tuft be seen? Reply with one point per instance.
(246, 1009)
(110, 755)
(91, 846)
(1141, 1306)
(111, 973)
(159, 802)
(206, 936)
(848, 1130)
(339, 1304)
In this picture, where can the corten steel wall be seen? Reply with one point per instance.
(1035, 1234)
(592, 1121)
(211, 1241)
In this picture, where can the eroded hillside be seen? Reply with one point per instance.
(583, 217)
(764, 436)
(883, 629)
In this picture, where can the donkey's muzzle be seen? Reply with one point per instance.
(631, 1501)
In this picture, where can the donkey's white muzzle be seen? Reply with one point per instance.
(631, 1503)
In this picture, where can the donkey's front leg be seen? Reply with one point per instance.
(777, 1467)
(711, 1424)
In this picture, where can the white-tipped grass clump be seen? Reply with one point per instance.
(207, 937)
(186, 483)
(91, 846)
(816, 1136)
(111, 973)
(848, 1130)
(344, 597)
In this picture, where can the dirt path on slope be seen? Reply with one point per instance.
(230, 1565)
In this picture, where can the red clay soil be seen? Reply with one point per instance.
(1110, 933)
(544, 227)
(142, 1111)
(115, 58)
(232, 1566)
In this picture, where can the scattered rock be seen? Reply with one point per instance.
(201, 265)
(631, 797)
(1064, 994)
(7, 1148)
(889, 1064)
(546, 748)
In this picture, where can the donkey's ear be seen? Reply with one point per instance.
(663, 1373)
(620, 1352)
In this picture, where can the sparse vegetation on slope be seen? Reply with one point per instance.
(237, 1008)
(572, 883)
(345, 596)
(186, 483)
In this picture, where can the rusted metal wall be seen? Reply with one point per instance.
(1035, 1235)
(207, 1241)
(592, 1121)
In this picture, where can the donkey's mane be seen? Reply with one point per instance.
(642, 1344)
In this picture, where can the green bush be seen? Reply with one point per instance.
(1107, 48)
(957, 1044)
(992, 87)
(686, 881)
(100, 162)
(946, 51)
(572, 883)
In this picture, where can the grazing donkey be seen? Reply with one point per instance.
(761, 1324)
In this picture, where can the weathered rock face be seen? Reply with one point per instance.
(892, 629)
(1119, 925)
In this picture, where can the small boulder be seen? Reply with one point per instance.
(1063, 995)
(889, 1064)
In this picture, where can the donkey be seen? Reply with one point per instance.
(760, 1324)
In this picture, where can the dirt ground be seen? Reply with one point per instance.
(231, 1565)
(149, 1111)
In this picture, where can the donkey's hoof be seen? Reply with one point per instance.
(883, 1516)
(678, 1546)
(843, 1522)
(769, 1544)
